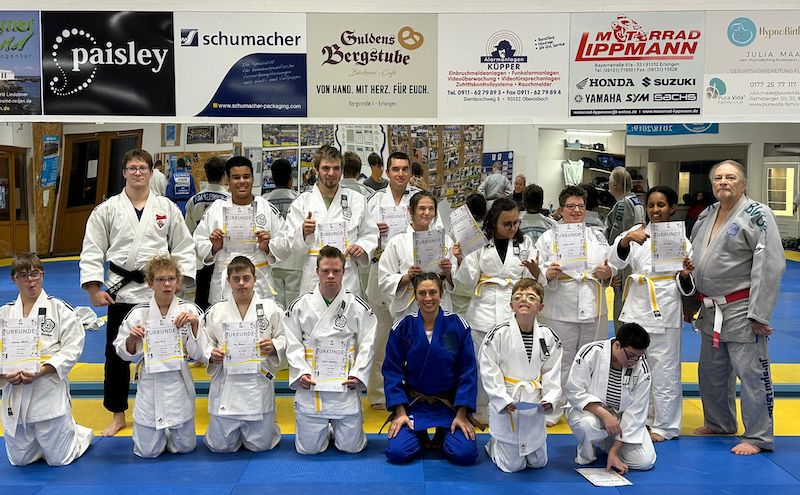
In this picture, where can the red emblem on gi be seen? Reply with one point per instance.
(161, 220)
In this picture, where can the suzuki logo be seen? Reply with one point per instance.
(646, 82)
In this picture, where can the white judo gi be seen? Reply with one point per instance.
(163, 413)
(242, 407)
(286, 272)
(37, 417)
(317, 413)
(267, 218)
(519, 439)
(653, 300)
(575, 308)
(746, 258)
(587, 382)
(626, 213)
(347, 206)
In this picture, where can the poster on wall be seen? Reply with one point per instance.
(508, 66)
(637, 63)
(108, 63)
(241, 64)
(372, 65)
(20, 64)
(756, 62)
(279, 135)
(269, 156)
(49, 174)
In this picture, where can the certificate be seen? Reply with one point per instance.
(396, 217)
(239, 227)
(466, 230)
(242, 355)
(599, 477)
(668, 246)
(570, 246)
(163, 346)
(19, 345)
(333, 234)
(330, 364)
(429, 249)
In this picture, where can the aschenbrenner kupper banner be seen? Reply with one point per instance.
(503, 66)
(372, 65)
(638, 63)
(242, 64)
(755, 69)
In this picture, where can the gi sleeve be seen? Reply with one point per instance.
(467, 385)
(180, 243)
(490, 355)
(551, 369)
(367, 233)
(365, 345)
(634, 416)
(579, 380)
(389, 275)
(280, 248)
(71, 337)
(394, 365)
(95, 244)
(195, 345)
(212, 328)
(200, 237)
(278, 340)
(544, 247)
(467, 275)
(295, 350)
(769, 263)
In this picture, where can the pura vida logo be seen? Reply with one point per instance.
(78, 56)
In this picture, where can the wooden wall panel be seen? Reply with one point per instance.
(45, 216)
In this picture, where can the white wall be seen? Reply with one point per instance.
(16, 134)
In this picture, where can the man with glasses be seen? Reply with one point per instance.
(608, 390)
(739, 262)
(126, 231)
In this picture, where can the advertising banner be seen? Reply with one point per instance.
(372, 65)
(108, 63)
(503, 66)
(241, 64)
(755, 69)
(671, 129)
(20, 64)
(642, 63)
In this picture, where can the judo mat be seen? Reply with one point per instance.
(688, 466)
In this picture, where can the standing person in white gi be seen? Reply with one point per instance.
(126, 231)
(580, 316)
(323, 207)
(37, 408)
(739, 262)
(520, 362)
(285, 273)
(608, 390)
(653, 299)
(490, 273)
(158, 184)
(268, 243)
(626, 213)
(396, 266)
(329, 320)
(241, 406)
(163, 413)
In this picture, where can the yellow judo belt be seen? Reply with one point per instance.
(487, 280)
(517, 385)
(645, 279)
(585, 277)
(270, 287)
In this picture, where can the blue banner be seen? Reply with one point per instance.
(671, 129)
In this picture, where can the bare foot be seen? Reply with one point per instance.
(656, 437)
(745, 448)
(549, 424)
(704, 430)
(380, 406)
(117, 423)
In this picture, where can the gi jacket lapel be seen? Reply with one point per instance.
(328, 320)
(707, 246)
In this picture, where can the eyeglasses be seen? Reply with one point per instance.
(526, 297)
(631, 357)
(572, 207)
(510, 225)
(23, 276)
(163, 280)
(135, 170)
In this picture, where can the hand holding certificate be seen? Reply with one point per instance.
(429, 249)
(333, 234)
(570, 247)
(242, 354)
(239, 227)
(330, 365)
(163, 346)
(396, 217)
(19, 345)
(668, 246)
(466, 230)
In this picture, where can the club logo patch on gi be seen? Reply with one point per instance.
(340, 321)
(732, 229)
(347, 213)
(261, 220)
(523, 255)
(262, 324)
(161, 220)
(47, 327)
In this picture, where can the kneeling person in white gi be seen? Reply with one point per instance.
(163, 332)
(36, 410)
(520, 363)
(330, 334)
(245, 349)
(608, 390)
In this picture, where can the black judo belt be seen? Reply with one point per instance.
(127, 277)
(431, 399)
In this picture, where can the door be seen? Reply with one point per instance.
(92, 172)
(780, 184)
(14, 237)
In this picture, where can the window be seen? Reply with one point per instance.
(684, 179)
(780, 190)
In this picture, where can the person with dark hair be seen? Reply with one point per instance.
(329, 319)
(36, 408)
(286, 273)
(180, 185)
(375, 181)
(698, 203)
(653, 299)
(430, 378)
(241, 402)
(477, 206)
(351, 169)
(580, 315)
(267, 245)
(126, 231)
(517, 194)
(592, 202)
(489, 274)
(418, 176)
(608, 390)
(158, 183)
(534, 223)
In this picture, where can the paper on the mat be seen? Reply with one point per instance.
(599, 477)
